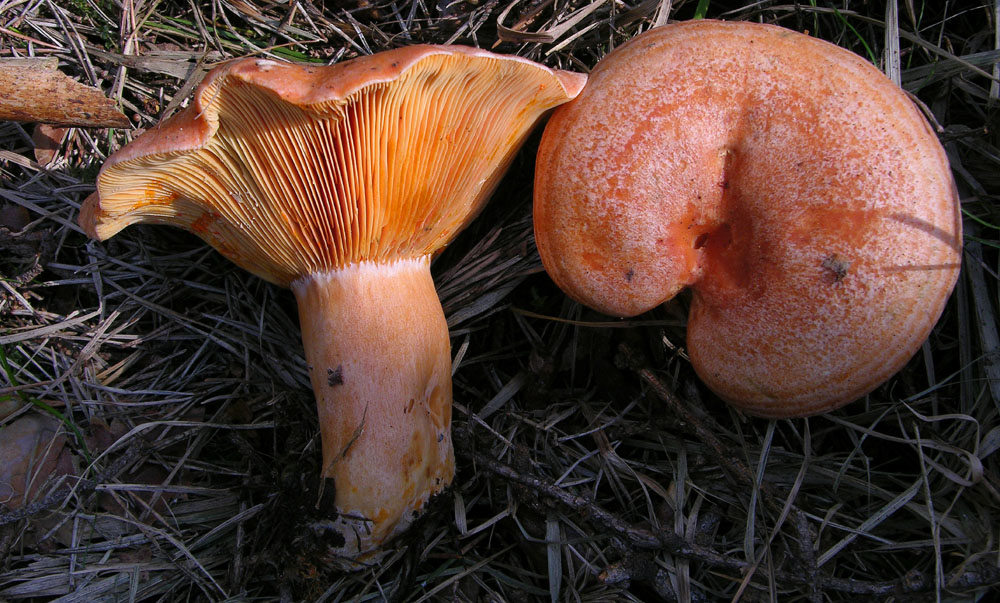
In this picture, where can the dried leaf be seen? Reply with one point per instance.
(47, 139)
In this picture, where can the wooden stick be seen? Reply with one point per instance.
(33, 90)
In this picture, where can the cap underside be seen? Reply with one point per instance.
(393, 170)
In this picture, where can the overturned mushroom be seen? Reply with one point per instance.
(341, 182)
(794, 188)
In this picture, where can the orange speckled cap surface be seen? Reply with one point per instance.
(794, 188)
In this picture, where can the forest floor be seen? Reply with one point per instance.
(592, 464)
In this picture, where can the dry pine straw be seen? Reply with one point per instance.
(592, 466)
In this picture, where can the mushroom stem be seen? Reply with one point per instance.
(379, 357)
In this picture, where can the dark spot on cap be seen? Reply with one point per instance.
(335, 376)
(837, 267)
(630, 274)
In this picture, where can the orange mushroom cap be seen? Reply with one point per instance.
(794, 188)
(341, 182)
(289, 169)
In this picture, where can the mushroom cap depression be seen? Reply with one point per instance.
(288, 169)
(794, 188)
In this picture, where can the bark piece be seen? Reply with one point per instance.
(33, 90)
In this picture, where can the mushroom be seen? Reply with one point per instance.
(797, 192)
(341, 182)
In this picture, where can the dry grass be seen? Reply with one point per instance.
(592, 466)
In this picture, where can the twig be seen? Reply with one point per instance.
(637, 537)
(704, 428)
(641, 538)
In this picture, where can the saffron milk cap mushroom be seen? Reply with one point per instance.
(341, 182)
(798, 193)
